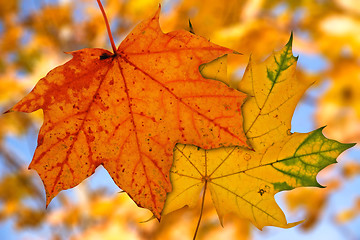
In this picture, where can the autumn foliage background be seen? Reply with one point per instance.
(33, 38)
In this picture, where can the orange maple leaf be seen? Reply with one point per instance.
(126, 111)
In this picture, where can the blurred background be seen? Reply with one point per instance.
(34, 34)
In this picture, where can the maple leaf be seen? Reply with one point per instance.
(244, 181)
(127, 110)
(274, 92)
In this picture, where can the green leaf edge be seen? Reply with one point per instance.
(312, 182)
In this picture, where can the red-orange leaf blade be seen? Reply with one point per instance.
(127, 112)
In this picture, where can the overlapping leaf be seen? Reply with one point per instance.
(274, 92)
(243, 181)
(127, 111)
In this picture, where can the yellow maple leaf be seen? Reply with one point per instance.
(244, 181)
(274, 92)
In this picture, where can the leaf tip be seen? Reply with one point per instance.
(289, 43)
(48, 200)
(345, 145)
(290, 225)
(250, 59)
(157, 13)
(236, 52)
(221, 220)
(251, 149)
(191, 29)
(148, 220)
(283, 225)
(318, 185)
(8, 111)
(350, 145)
(73, 53)
(322, 128)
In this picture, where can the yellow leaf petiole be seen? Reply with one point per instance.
(201, 211)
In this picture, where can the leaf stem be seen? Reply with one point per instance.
(107, 26)
(201, 211)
